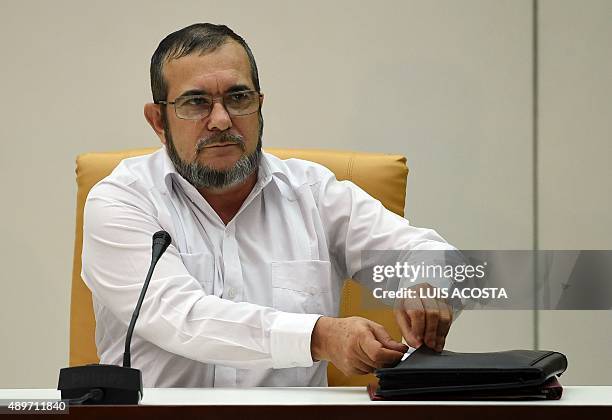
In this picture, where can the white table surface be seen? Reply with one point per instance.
(572, 396)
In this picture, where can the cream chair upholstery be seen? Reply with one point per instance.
(382, 176)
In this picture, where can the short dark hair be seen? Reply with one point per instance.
(200, 38)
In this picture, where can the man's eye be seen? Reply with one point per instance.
(197, 101)
(239, 97)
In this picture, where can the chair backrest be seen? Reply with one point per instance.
(382, 176)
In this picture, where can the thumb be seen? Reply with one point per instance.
(386, 340)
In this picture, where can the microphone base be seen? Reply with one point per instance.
(120, 385)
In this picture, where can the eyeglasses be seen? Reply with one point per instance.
(195, 107)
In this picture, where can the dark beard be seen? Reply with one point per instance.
(201, 176)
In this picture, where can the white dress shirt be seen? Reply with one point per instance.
(228, 305)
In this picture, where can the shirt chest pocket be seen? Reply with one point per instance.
(302, 286)
(201, 265)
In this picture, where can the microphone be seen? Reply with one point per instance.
(111, 384)
(161, 240)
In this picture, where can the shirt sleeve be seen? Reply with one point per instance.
(177, 315)
(356, 222)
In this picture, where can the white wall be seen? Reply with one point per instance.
(575, 169)
(446, 83)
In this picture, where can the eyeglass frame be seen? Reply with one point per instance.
(216, 98)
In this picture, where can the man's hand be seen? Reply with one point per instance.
(354, 345)
(425, 320)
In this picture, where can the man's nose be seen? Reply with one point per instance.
(219, 119)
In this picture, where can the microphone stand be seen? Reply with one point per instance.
(111, 384)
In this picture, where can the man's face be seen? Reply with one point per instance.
(218, 142)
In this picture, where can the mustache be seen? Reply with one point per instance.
(223, 137)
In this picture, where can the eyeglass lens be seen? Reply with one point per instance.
(199, 106)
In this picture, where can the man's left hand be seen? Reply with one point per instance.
(423, 320)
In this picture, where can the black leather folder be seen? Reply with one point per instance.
(514, 374)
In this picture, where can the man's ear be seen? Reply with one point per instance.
(152, 113)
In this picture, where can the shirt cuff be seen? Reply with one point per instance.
(290, 340)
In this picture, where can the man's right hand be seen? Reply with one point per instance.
(354, 345)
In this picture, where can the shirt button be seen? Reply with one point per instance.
(231, 293)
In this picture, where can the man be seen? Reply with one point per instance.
(248, 292)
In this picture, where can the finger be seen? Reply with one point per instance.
(432, 317)
(356, 363)
(351, 370)
(361, 354)
(361, 371)
(362, 367)
(416, 317)
(446, 318)
(380, 355)
(386, 340)
(404, 325)
(383, 360)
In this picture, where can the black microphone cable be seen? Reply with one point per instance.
(95, 395)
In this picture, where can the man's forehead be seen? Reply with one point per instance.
(213, 72)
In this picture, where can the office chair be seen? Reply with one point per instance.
(382, 176)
